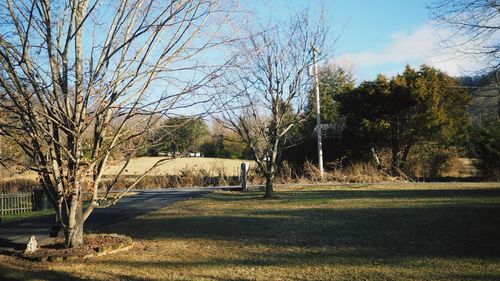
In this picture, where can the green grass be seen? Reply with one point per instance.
(34, 214)
(50, 211)
(399, 232)
(23, 216)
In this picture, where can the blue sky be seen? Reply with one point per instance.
(377, 36)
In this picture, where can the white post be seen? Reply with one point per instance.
(318, 117)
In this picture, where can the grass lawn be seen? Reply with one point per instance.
(395, 232)
(23, 216)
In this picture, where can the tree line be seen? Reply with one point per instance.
(187, 135)
(411, 124)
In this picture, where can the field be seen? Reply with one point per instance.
(137, 166)
(140, 165)
(363, 232)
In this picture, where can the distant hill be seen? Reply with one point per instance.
(485, 94)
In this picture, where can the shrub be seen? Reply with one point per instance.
(430, 160)
(18, 185)
(485, 145)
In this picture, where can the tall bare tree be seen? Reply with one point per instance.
(476, 33)
(265, 97)
(475, 25)
(81, 78)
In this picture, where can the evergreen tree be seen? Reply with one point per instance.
(409, 109)
(485, 145)
(179, 135)
(333, 82)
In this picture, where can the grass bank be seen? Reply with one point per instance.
(397, 232)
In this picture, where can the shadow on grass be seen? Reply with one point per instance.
(300, 260)
(6, 243)
(354, 193)
(303, 258)
(232, 196)
(463, 226)
(396, 194)
(478, 276)
(8, 273)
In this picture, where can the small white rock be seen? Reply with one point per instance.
(32, 245)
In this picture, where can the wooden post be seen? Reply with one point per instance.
(244, 173)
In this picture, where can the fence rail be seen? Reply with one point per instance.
(16, 203)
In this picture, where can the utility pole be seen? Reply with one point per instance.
(318, 117)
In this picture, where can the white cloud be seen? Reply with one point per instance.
(421, 46)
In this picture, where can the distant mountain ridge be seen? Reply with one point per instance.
(484, 91)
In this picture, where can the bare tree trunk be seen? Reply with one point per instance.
(376, 158)
(271, 171)
(395, 159)
(74, 231)
(497, 80)
(406, 152)
(269, 184)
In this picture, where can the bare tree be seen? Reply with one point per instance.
(267, 94)
(475, 25)
(79, 79)
(476, 32)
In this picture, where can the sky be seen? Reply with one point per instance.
(378, 36)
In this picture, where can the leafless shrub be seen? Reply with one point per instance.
(18, 185)
(312, 172)
(286, 173)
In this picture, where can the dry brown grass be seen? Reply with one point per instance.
(461, 167)
(139, 165)
(186, 178)
(179, 172)
(377, 232)
(361, 172)
(198, 171)
(213, 166)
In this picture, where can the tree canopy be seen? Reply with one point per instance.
(179, 135)
(414, 107)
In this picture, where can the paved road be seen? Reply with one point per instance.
(16, 234)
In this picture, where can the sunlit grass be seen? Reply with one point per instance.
(395, 232)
